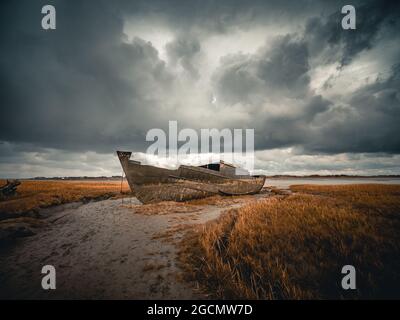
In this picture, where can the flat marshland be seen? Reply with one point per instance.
(36, 194)
(273, 245)
(294, 247)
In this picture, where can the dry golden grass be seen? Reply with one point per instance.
(33, 194)
(371, 198)
(276, 191)
(294, 247)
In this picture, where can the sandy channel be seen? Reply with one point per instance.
(111, 249)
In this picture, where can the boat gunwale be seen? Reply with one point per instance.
(196, 169)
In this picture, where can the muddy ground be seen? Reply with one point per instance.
(111, 249)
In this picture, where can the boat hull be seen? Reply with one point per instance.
(153, 184)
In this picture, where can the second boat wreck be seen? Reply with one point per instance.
(153, 184)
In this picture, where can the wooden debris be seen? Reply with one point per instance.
(9, 189)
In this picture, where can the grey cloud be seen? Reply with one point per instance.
(236, 79)
(286, 65)
(300, 128)
(284, 161)
(260, 81)
(376, 20)
(82, 86)
(224, 16)
(279, 69)
(26, 162)
(368, 124)
(366, 121)
(183, 51)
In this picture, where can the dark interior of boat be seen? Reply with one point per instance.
(211, 166)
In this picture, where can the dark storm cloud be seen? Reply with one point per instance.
(301, 128)
(375, 20)
(222, 16)
(365, 121)
(286, 65)
(369, 123)
(89, 86)
(281, 69)
(81, 86)
(272, 74)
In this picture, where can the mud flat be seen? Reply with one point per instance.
(111, 249)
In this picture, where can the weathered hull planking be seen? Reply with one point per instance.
(153, 184)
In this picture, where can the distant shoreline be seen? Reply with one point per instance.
(114, 178)
(333, 177)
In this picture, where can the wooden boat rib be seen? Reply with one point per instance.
(152, 184)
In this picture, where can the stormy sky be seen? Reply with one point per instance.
(321, 99)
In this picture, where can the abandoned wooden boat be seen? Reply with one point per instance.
(153, 184)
